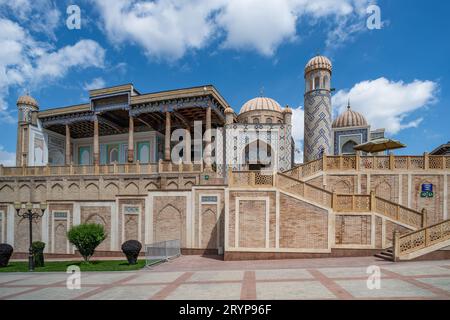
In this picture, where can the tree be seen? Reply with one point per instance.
(86, 237)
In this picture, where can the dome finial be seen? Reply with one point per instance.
(261, 91)
(348, 105)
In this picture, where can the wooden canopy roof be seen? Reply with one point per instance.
(113, 107)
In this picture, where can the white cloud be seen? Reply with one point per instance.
(25, 62)
(37, 15)
(387, 104)
(165, 29)
(298, 129)
(168, 29)
(96, 83)
(7, 158)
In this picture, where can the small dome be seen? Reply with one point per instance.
(349, 118)
(27, 100)
(318, 62)
(228, 110)
(287, 110)
(261, 103)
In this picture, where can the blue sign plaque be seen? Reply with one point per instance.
(427, 190)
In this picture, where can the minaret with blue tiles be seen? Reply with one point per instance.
(318, 113)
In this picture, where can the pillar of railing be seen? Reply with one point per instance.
(391, 162)
(424, 218)
(396, 245)
(324, 162)
(180, 166)
(230, 176)
(357, 160)
(160, 166)
(1, 170)
(408, 162)
(333, 201)
(138, 166)
(372, 201)
(426, 161)
(71, 169)
(341, 162)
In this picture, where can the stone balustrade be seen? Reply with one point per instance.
(110, 169)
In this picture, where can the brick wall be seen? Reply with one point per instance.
(353, 230)
(302, 225)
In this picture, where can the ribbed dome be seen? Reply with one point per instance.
(350, 118)
(318, 62)
(261, 103)
(27, 100)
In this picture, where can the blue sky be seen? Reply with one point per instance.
(398, 76)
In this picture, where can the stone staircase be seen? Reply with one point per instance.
(387, 254)
(415, 244)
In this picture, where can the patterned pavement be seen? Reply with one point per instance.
(203, 278)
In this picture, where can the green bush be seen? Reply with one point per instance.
(86, 237)
(38, 253)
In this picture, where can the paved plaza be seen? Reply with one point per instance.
(202, 278)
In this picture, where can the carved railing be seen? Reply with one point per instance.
(398, 212)
(250, 179)
(305, 170)
(128, 168)
(357, 162)
(351, 202)
(305, 190)
(421, 239)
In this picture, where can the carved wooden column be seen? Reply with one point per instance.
(131, 140)
(68, 146)
(167, 137)
(96, 143)
(208, 166)
(187, 146)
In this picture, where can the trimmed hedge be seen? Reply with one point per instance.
(131, 249)
(38, 253)
(6, 252)
(87, 237)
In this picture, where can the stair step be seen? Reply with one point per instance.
(385, 255)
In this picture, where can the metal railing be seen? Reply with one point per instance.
(162, 251)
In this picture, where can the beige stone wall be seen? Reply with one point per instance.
(208, 219)
(3, 223)
(433, 205)
(342, 184)
(353, 229)
(21, 233)
(169, 218)
(57, 229)
(249, 215)
(132, 221)
(302, 225)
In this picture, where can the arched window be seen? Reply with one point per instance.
(113, 155)
(325, 82)
(255, 120)
(348, 147)
(269, 120)
(316, 83)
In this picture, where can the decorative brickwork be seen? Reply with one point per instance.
(302, 225)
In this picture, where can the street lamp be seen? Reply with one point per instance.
(28, 211)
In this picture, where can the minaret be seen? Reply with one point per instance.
(27, 115)
(317, 139)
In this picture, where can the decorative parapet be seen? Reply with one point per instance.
(358, 163)
(111, 169)
(411, 243)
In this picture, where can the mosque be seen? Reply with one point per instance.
(181, 164)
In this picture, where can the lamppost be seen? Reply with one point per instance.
(28, 211)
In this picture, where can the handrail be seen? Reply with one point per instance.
(354, 202)
(421, 239)
(358, 162)
(115, 168)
